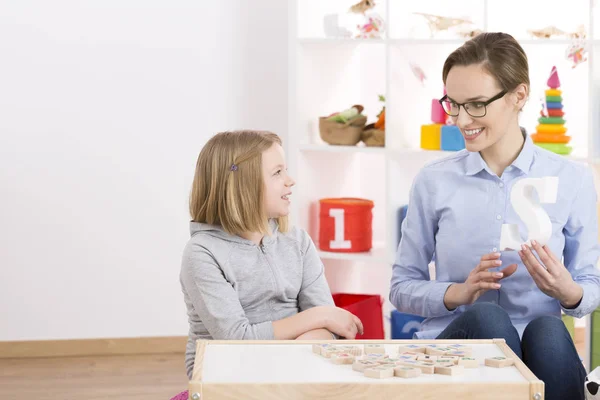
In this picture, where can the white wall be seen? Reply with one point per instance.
(104, 106)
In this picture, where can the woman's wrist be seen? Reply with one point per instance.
(452, 296)
(573, 296)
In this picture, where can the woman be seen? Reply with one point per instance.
(456, 211)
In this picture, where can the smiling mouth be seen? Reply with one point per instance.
(471, 134)
(286, 196)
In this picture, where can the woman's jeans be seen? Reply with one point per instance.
(546, 347)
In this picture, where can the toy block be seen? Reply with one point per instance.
(354, 350)
(411, 348)
(459, 353)
(329, 351)
(393, 359)
(374, 349)
(438, 115)
(389, 365)
(499, 362)
(458, 346)
(379, 372)
(405, 357)
(361, 365)
(431, 136)
(316, 348)
(376, 357)
(437, 351)
(406, 372)
(468, 362)
(425, 357)
(443, 362)
(342, 358)
(425, 366)
(453, 359)
(411, 353)
(320, 348)
(449, 369)
(451, 138)
(430, 347)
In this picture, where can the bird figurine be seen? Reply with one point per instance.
(362, 6)
(547, 32)
(438, 23)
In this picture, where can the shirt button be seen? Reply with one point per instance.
(498, 217)
(495, 249)
(501, 184)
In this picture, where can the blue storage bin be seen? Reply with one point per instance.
(452, 139)
(405, 325)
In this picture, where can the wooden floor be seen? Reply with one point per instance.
(132, 377)
(139, 377)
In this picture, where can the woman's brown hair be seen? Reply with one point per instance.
(498, 53)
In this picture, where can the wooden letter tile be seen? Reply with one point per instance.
(406, 372)
(468, 362)
(379, 372)
(449, 369)
(499, 362)
(414, 348)
(342, 358)
(374, 349)
(361, 365)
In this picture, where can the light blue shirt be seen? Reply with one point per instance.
(455, 214)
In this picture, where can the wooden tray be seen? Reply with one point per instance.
(289, 370)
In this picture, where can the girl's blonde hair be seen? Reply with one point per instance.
(228, 188)
(499, 53)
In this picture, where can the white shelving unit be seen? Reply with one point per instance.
(331, 74)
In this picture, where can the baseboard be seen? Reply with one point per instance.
(92, 347)
(119, 346)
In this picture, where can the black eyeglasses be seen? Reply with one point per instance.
(475, 109)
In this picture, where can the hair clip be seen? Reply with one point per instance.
(233, 167)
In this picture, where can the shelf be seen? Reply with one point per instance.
(427, 42)
(433, 41)
(308, 41)
(376, 255)
(331, 73)
(550, 41)
(327, 148)
(397, 154)
(402, 41)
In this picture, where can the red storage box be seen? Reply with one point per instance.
(345, 225)
(368, 308)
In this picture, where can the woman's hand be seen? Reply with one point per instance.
(550, 275)
(479, 281)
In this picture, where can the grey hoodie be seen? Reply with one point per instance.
(234, 289)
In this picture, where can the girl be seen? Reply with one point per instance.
(244, 275)
(456, 211)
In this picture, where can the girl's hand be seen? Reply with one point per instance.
(317, 334)
(550, 275)
(341, 322)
